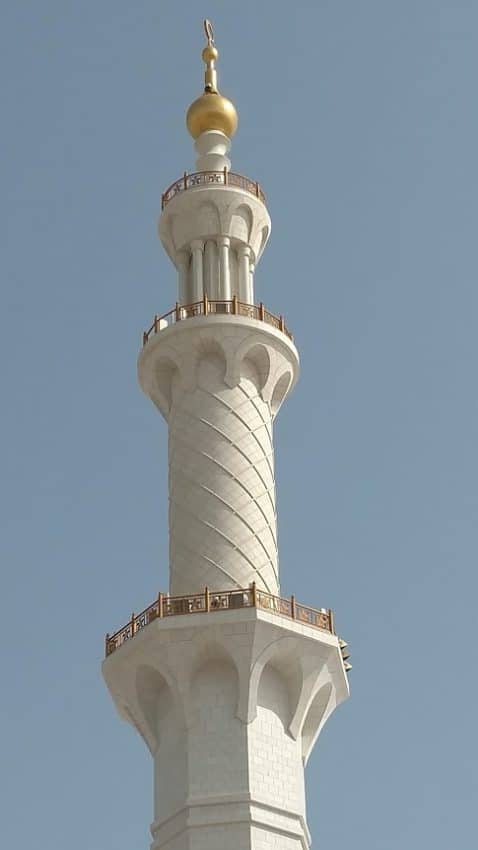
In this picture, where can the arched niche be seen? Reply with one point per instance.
(316, 716)
(280, 391)
(165, 373)
(264, 237)
(163, 714)
(210, 657)
(273, 695)
(259, 357)
(269, 733)
(211, 364)
(282, 655)
(155, 699)
(254, 353)
(241, 223)
(214, 727)
(210, 219)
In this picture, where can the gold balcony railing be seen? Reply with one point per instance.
(210, 601)
(206, 307)
(211, 178)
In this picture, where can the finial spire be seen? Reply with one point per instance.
(209, 55)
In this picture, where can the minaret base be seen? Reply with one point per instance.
(241, 823)
(230, 704)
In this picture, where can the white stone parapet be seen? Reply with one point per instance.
(219, 382)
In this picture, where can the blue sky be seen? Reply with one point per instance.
(360, 121)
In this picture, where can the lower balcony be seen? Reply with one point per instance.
(210, 601)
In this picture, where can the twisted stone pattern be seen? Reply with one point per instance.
(222, 515)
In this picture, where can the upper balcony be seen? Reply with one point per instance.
(211, 178)
(207, 307)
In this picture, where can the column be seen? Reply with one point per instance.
(243, 257)
(251, 282)
(197, 247)
(223, 243)
(211, 272)
(184, 295)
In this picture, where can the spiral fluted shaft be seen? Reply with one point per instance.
(222, 514)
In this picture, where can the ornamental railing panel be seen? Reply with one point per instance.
(273, 603)
(206, 307)
(311, 617)
(211, 178)
(272, 320)
(213, 601)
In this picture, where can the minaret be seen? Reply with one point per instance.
(228, 683)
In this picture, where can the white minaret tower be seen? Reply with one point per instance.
(228, 683)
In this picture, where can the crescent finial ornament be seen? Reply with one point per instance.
(209, 31)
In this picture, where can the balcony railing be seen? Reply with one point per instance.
(210, 601)
(205, 307)
(211, 178)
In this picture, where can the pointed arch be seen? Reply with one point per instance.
(259, 356)
(165, 371)
(242, 221)
(280, 391)
(319, 710)
(210, 219)
(157, 698)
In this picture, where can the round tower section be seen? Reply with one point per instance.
(214, 226)
(219, 381)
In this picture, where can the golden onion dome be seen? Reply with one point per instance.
(211, 111)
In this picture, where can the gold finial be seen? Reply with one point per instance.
(209, 55)
(211, 111)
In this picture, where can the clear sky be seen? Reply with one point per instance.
(359, 118)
